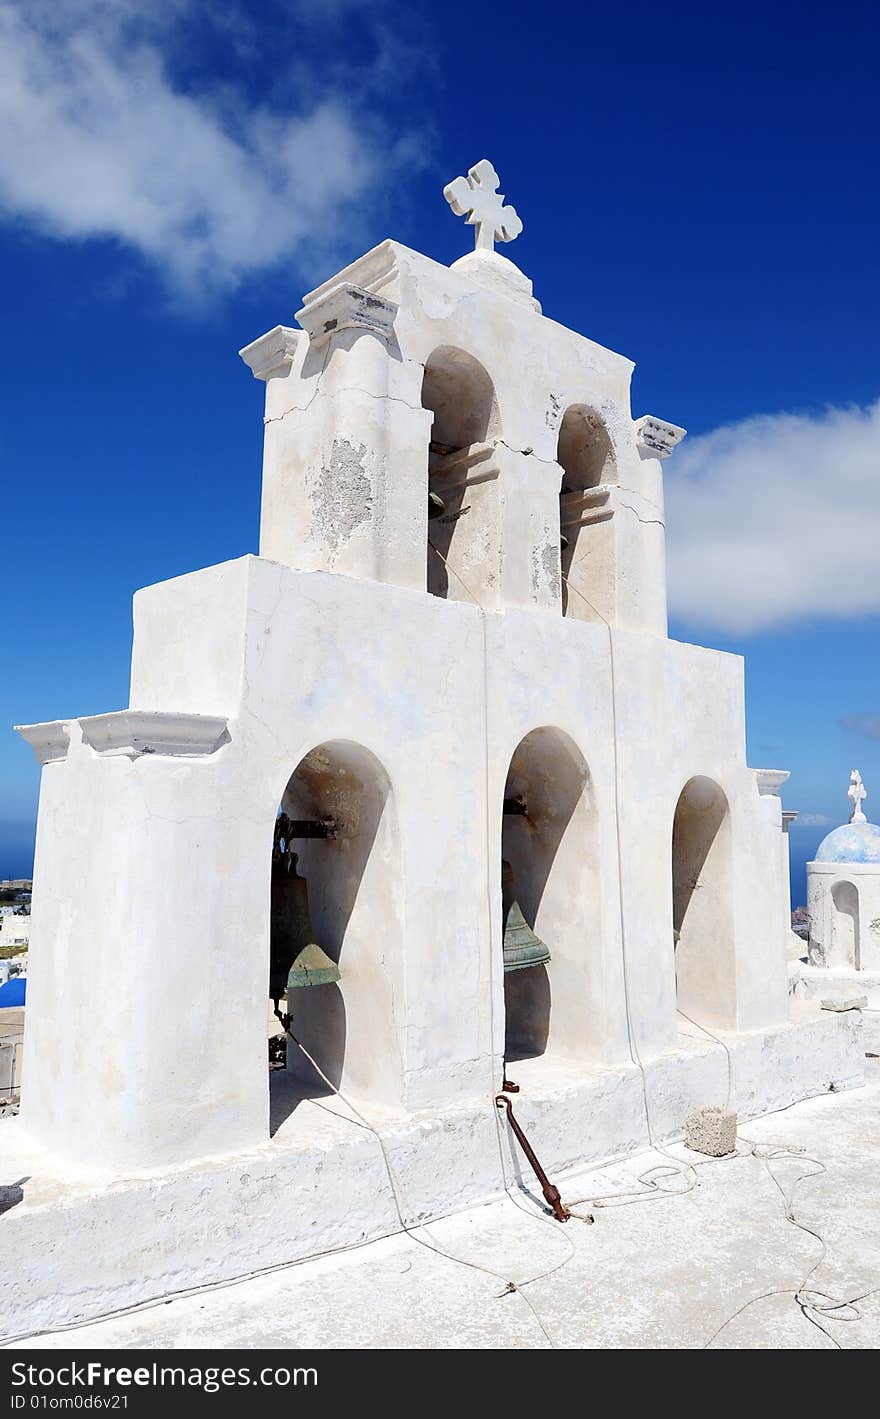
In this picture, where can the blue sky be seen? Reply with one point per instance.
(698, 187)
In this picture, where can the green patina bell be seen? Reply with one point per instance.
(522, 948)
(296, 959)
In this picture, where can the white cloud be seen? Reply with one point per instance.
(101, 139)
(775, 520)
(812, 820)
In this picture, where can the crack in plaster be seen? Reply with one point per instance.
(339, 393)
(269, 616)
(528, 453)
(335, 394)
(391, 398)
(151, 813)
(301, 408)
(648, 521)
(282, 748)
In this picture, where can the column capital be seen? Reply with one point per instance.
(50, 741)
(271, 354)
(655, 438)
(347, 307)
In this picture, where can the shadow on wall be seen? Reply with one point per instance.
(552, 851)
(462, 507)
(354, 891)
(845, 950)
(702, 905)
(586, 455)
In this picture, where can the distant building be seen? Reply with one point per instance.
(843, 912)
(15, 929)
(11, 1043)
(843, 893)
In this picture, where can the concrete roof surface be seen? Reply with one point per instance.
(716, 1265)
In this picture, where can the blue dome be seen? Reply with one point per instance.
(854, 842)
(13, 992)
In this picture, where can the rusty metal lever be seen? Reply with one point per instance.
(550, 1192)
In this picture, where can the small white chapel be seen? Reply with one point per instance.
(843, 905)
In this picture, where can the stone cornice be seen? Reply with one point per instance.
(271, 354)
(134, 732)
(655, 438)
(371, 271)
(50, 741)
(347, 307)
(770, 781)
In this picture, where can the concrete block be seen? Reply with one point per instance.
(711, 1130)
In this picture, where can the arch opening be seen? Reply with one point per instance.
(702, 904)
(586, 455)
(340, 824)
(550, 840)
(845, 946)
(462, 546)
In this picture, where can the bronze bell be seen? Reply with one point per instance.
(295, 957)
(522, 948)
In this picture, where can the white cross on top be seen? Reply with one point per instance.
(476, 197)
(857, 792)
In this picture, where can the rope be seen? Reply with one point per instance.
(406, 1227)
(679, 1166)
(722, 1045)
(457, 576)
(812, 1303)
